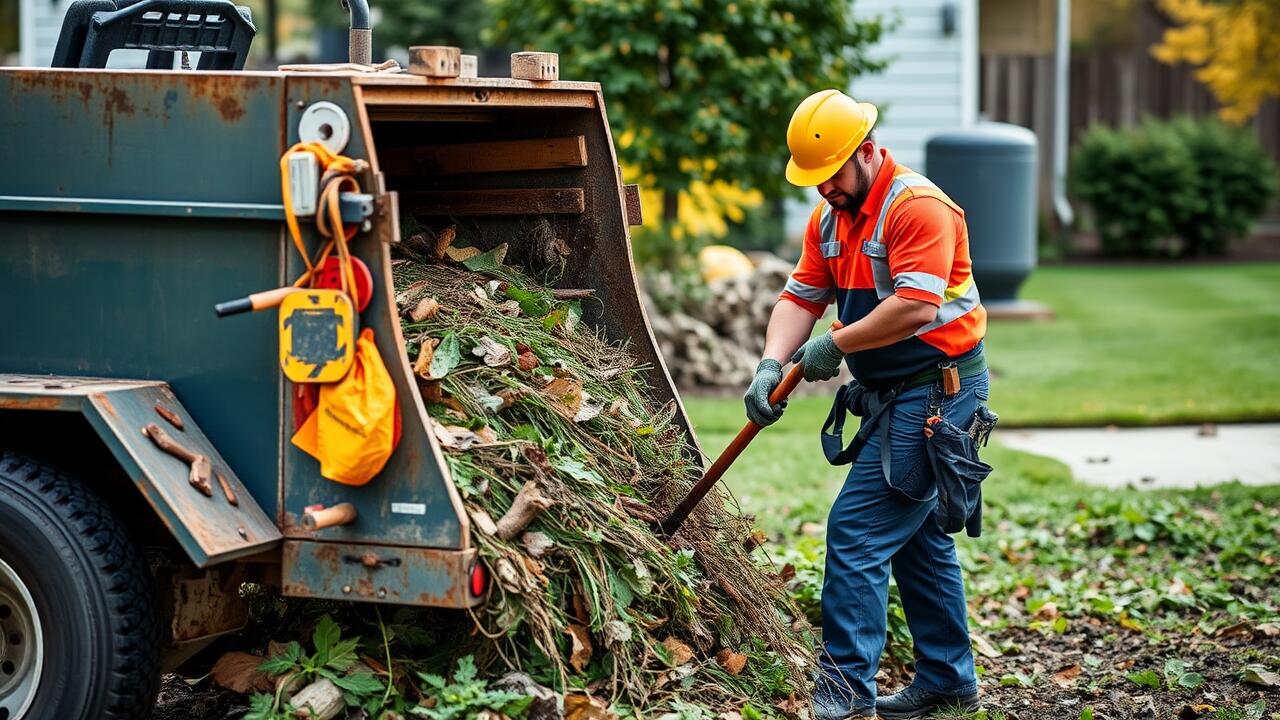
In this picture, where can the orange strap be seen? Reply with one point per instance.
(338, 172)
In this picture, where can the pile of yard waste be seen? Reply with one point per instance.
(564, 461)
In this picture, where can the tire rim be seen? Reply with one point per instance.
(21, 646)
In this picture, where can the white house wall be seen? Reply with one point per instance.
(929, 85)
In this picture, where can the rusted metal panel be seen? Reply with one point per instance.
(403, 576)
(206, 602)
(209, 529)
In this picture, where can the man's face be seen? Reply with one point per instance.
(848, 188)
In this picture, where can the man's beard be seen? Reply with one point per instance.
(852, 203)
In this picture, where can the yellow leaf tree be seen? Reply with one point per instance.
(1235, 43)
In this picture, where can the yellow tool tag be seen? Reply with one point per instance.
(317, 336)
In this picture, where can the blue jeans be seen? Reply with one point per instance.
(872, 529)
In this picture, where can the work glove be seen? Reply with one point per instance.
(820, 357)
(759, 411)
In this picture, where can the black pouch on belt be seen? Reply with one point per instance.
(953, 457)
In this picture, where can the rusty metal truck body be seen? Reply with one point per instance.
(132, 202)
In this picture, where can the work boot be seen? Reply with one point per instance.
(914, 702)
(835, 700)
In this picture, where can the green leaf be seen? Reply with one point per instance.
(750, 713)
(343, 655)
(1086, 714)
(1017, 679)
(261, 707)
(284, 662)
(466, 671)
(576, 470)
(326, 634)
(433, 680)
(361, 683)
(447, 356)
(636, 574)
(531, 303)
(486, 261)
(1191, 680)
(1145, 678)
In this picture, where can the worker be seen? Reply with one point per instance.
(893, 252)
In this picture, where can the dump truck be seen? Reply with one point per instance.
(146, 468)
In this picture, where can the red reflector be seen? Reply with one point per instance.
(479, 580)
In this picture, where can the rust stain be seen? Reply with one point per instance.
(39, 402)
(104, 402)
(230, 109)
(328, 554)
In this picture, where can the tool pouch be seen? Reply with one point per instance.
(957, 470)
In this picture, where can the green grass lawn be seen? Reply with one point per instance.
(1131, 345)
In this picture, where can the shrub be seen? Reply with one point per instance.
(1235, 180)
(1173, 188)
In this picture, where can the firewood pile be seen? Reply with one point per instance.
(714, 335)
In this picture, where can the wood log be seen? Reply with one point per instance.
(439, 61)
(469, 66)
(321, 700)
(540, 66)
(528, 505)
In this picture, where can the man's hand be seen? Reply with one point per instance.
(820, 357)
(759, 411)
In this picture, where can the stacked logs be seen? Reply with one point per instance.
(714, 335)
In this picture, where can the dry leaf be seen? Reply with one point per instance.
(580, 653)
(616, 632)
(585, 707)
(1066, 677)
(460, 254)
(509, 397)
(537, 543)
(565, 395)
(483, 522)
(732, 662)
(495, 354)
(510, 308)
(984, 646)
(1047, 611)
(528, 361)
(508, 575)
(426, 351)
(589, 409)
(444, 239)
(680, 653)
(456, 437)
(426, 309)
(238, 671)
(1269, 630)
(431, 390)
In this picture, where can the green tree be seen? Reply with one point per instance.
(698, 90)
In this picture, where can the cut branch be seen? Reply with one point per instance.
(528, 505)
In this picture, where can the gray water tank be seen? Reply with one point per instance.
(990, 171)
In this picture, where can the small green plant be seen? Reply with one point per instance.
(332, 659)
(466, 696)
(1177, 676)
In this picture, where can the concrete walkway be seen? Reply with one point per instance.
(1166, 457)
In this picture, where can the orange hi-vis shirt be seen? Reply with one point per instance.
(908, 239)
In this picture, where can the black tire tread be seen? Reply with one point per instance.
(120, 573)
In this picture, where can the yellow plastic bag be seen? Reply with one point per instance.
(352, 430)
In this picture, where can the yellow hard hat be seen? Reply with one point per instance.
(825, 130)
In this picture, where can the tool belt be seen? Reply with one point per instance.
(952, 473)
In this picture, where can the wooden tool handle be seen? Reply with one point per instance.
(256, 301)
(740, 442)
(340, 514)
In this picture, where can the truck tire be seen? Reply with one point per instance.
(77, 606)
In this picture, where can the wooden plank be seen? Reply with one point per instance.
(540, 201)
(488, 157)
